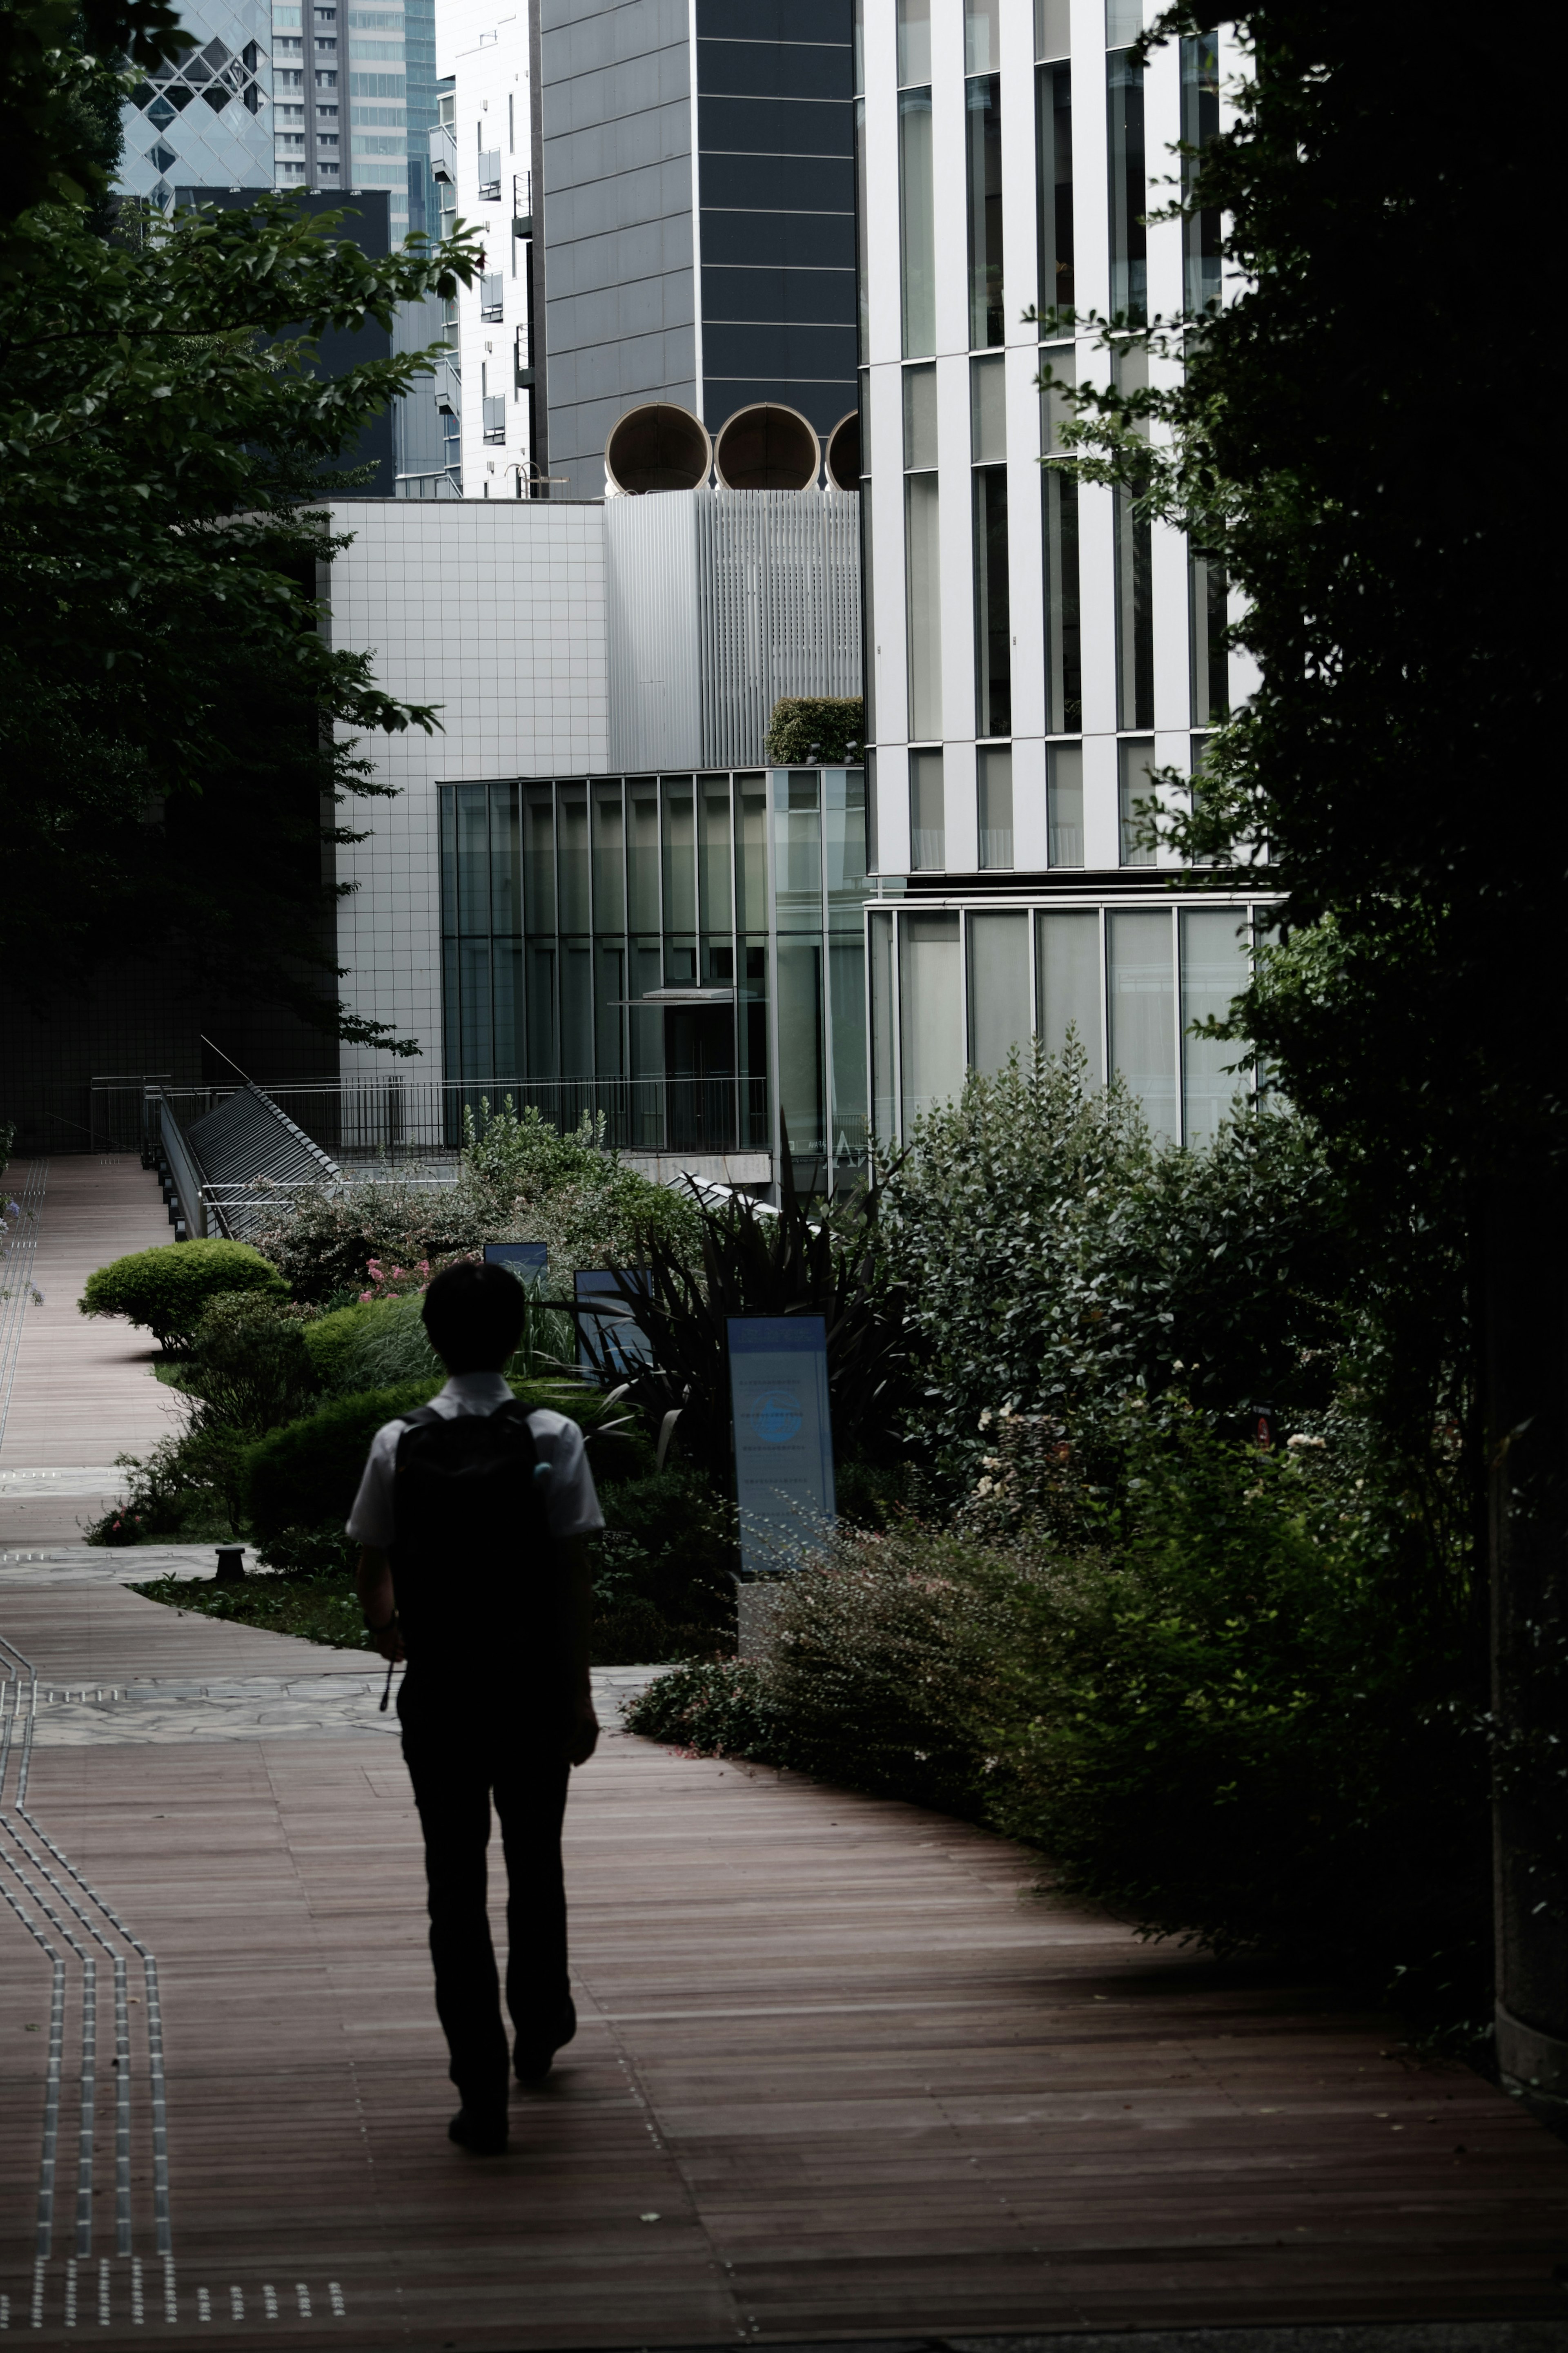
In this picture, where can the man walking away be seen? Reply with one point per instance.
(472, 1516)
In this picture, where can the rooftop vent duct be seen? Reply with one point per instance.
(658, 446)
(767, 448)
(843, 453)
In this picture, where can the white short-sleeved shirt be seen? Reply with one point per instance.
(571, 1503)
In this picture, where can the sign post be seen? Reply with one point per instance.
(783, 1436)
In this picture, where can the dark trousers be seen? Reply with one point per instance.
(458, 1767)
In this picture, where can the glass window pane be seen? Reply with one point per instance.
(609, 1013)
(1123, 22)
(1138, 798)
(996, 786)
(981, 35)
(679, 845)
(1067, 962)
(1053, 165)
(538, 858)
(993, 626)
(928, 817)
(576, 1011)
(922, 562)
(844, 846)
(797, 850)
(713, 858)
(987, 410)
(1143, 997)
(999, 1011)
(642, 853)
(1215, 966)
(752, 854)
(800, 1050)
(1207, 595)
(847, 1012)
(916, 218)
(914, 41)
(542, 1062)
(572, 848)
(987, 301)
(883, 1074)
(506, 860)
(920, 419)
(609, 860)
(1200, 123)
(1064, 804)
(1129, 202)
(1064, 634)
(1134, 613)
(1053, 28)
(930, 1013)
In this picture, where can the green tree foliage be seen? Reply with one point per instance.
(53, 60)
(172, 715)
(1056, 1259)
(168, 1290)
(818, 729)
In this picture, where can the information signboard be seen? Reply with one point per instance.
(784, 1437)
(528, 1260)
(602, 1316)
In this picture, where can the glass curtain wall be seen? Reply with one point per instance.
(608, 945)
(1052, 162)
(1208, 591)
(1129, 200)
(1200, 123)
(1064, 637)
(954, 991)
(987, 299)
(922, 554)
(993, 626)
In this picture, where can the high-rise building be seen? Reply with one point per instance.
(1036, 649)
(485, 150)
(699, 215)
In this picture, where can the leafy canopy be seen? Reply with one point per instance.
(172, 713)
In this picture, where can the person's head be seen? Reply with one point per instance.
(474, 1315)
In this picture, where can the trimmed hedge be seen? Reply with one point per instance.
(167, 1290)
(306, 1475)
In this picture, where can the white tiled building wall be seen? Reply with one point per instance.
(496, 613)
(487, 56)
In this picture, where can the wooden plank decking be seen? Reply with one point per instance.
(867, 2081)
(82, 1391)
(842, 2073)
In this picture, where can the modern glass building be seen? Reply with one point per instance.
(684, 953)
(1038, 650)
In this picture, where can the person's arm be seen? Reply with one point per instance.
(584, 1734)
(378, 1601)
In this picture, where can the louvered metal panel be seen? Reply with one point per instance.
(244, 1139)
(779, 578)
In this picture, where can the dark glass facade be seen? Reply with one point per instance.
(777, 185)
(683, 954)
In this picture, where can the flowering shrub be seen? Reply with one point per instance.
(393, 1282)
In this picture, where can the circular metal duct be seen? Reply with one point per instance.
(767, 448)
(658, 446)
(843, 453)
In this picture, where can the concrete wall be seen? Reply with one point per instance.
(494, 610)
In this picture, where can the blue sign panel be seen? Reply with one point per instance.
(528, 1260)
(623, 1345)
(784, 1437)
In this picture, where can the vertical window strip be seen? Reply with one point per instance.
(1129, 201)
(987, 298)
(917, 254)
(1053, 182)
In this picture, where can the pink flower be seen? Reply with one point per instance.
(366, 1297)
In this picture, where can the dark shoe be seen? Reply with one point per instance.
(532, 2060)
(482, 2134)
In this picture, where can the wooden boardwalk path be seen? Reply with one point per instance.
(82, 1391)
(841, 2073)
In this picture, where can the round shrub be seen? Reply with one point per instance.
(166, 1290)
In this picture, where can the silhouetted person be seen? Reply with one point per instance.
(471, 1515)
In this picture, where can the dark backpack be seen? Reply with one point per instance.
(476, 1570)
